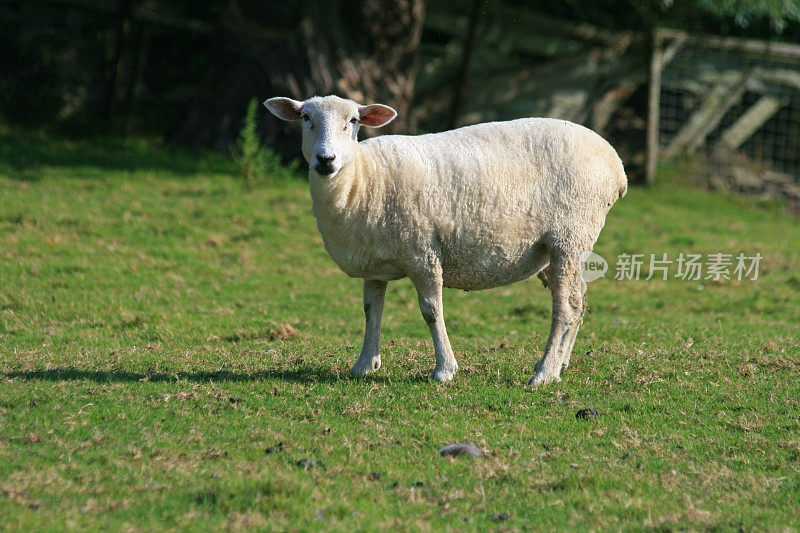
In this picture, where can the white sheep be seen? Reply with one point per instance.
(472, 208)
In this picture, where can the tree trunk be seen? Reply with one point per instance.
(367, 51)
(463, 71)
(117, 74)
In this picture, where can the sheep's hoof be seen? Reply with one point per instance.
(542, 378)
(366, 366)
(443, 375)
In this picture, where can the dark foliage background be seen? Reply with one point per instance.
(184, 71)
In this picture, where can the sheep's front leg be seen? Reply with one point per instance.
(429, 293)
(370, 358)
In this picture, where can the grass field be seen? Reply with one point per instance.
(173, 345)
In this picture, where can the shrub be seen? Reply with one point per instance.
(257, 164)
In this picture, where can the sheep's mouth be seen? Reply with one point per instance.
(326, 171)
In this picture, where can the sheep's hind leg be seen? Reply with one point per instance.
(578, 303)
(370, 358)
(563, 277)
(430, 304)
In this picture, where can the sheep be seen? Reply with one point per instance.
(471, 208)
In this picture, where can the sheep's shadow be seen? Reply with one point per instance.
(305, 374)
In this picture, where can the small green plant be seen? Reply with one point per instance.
(257, 164)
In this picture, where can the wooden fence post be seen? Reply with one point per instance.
(654, 100)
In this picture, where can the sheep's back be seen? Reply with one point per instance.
(487, 195)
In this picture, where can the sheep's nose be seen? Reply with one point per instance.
(326, 159)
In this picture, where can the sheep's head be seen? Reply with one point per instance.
(330, 127)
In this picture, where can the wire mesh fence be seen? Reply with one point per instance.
(728, 110)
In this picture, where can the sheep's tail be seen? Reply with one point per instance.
(622, 180)
(623, 188)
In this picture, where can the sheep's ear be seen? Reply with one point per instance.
(375, 115)
(284, 108)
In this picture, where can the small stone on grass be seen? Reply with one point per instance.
(306, 463)
(274, 449)
(587, 414)
(461, 448)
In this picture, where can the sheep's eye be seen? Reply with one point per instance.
(306, 118)
(353, 120)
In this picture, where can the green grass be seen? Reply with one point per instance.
(145, 370)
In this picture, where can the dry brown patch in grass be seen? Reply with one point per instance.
(215, 240)
(793, 445)
(775, 355)
(748, 422)
(32, 438)
(778, 361)
(747, 370)
(631, 437)
(181, 396)
(215, 453)
(769, 346)
(245, 257)
(357, 409)
(246, 521)
(19, 497)
(130, 528)
(414, 494)
(666, 521)
(698, 515)
(24, 360)
(283, 332)
(647, 378)
(19, 485)
(97, 506)
(669, 480)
